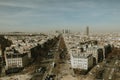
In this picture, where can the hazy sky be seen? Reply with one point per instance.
(43, 15)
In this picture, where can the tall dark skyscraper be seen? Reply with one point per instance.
(87, 31)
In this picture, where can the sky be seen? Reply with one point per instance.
(46, 15)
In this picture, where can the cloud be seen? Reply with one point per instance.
(22, 4)
(42, 7)
(47, 12)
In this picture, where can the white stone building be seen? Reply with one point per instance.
(82, 61)
(16, 60)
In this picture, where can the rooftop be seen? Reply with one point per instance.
(81, 55)
(17, 55)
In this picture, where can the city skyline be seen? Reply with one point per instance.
(46, 15)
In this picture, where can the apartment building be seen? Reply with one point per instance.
(16, 60)
(81, 61)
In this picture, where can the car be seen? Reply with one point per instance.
(41, 70)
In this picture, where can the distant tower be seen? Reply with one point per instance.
(87, 31)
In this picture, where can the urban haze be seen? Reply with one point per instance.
(59, 40)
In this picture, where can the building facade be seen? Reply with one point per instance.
(81, 61)
(16, 60)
